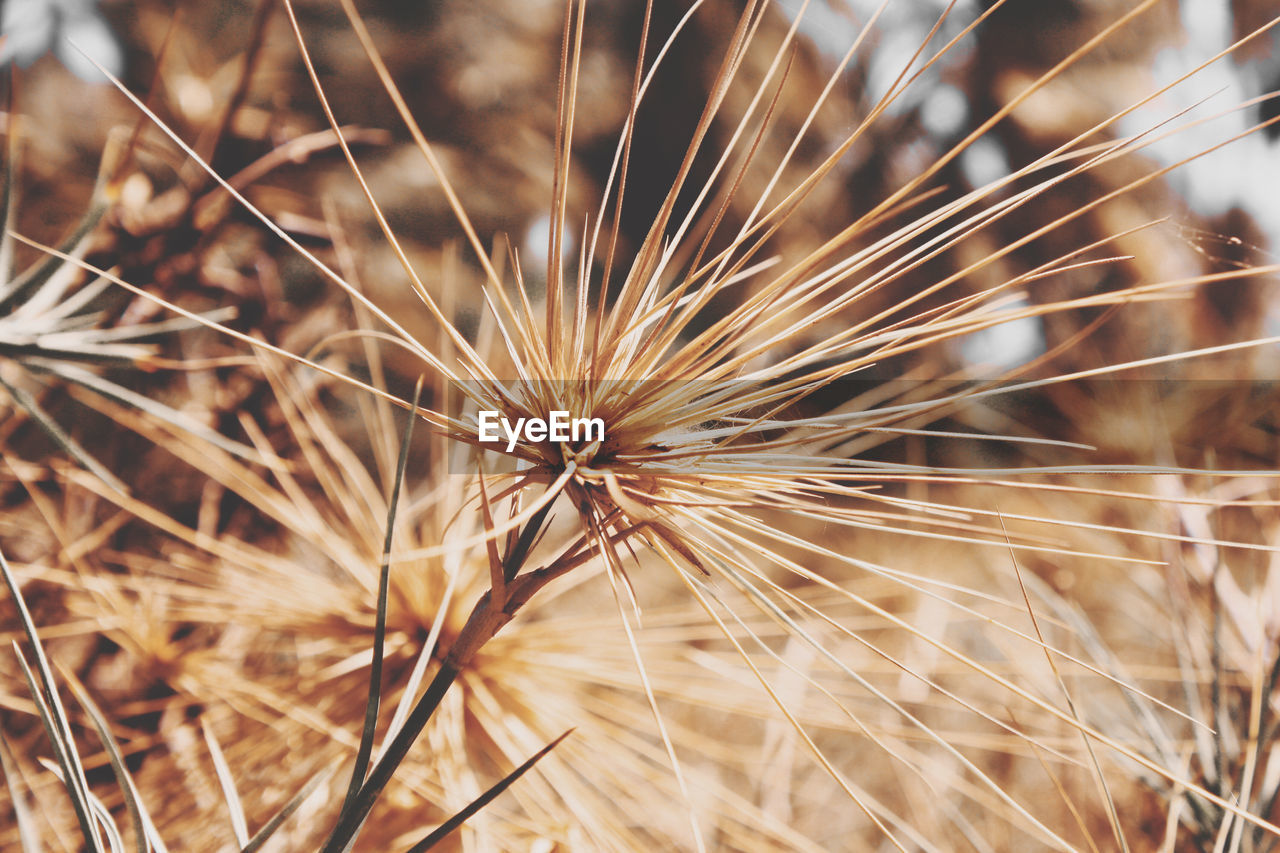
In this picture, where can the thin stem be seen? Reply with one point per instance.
(380, 624)
(520, 552)
(487, 618)
(350, 822)
(484, 622)
(442, 831)
(1222, 788)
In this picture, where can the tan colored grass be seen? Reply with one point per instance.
(730, 486)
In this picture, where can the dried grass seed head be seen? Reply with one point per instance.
(727, 379)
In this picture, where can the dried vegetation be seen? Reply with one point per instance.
(831, 582)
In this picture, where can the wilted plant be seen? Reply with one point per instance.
(53, 325)
(1213, 655)
(312, 585)
(99, 832)
(721, 378)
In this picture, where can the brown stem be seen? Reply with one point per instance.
(485, 621)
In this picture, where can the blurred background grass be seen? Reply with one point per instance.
(148, 622)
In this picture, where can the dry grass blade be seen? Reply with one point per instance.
(262, 836)
(144, 832)
(235, 809)
(1116, 830)
(484, 799)
(28, 833)
(53, 716)
(60, 437)
(393, 753)
(380, 624)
